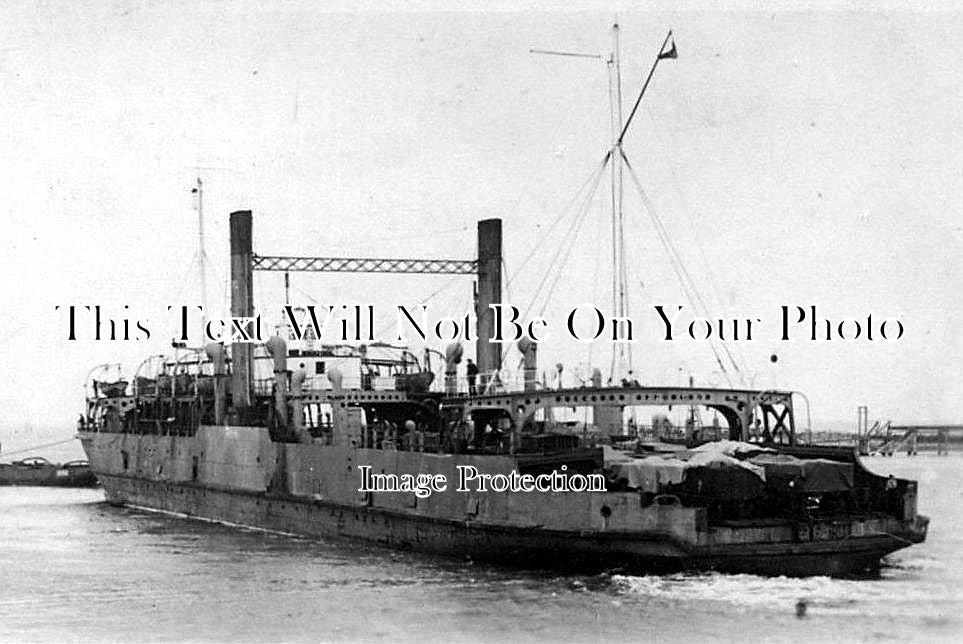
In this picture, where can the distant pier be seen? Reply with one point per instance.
(887, 439)
(938, 437)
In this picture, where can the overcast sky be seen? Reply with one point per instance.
(805, 158)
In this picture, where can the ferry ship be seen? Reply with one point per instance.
(277, 436)
(211, 435)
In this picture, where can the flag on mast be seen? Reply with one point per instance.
(670, 52)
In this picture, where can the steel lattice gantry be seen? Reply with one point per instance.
(364, 265)
(487, 269)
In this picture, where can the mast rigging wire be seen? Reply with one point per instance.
(574, 226)
(568, 240)
(565, 212)
(595, 274)
(710, 275)
(573, 237)
(675, 260)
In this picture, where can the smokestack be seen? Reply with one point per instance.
(488, 354)
(242, 305)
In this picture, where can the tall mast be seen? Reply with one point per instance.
(201, 254)
(622, 352)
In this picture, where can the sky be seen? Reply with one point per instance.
(803, 157)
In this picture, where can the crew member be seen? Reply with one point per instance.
(471, 370)
(892, 494)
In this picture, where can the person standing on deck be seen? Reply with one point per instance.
(471, 370)
(892, 495)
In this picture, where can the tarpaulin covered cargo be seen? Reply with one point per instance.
(735, 449)
(806, 475)
(725, 483)
(730, 470)
(713, 470)
(648, 474)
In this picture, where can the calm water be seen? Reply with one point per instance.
(73, 568)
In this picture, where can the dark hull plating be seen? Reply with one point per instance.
(525, 546)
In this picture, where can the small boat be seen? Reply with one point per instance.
(37, 470)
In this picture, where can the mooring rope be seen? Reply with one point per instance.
(36, 447)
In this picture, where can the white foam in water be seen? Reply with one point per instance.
(748, 591)
(83, 569)
(887, 595)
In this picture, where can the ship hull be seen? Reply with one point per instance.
(570, 550)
